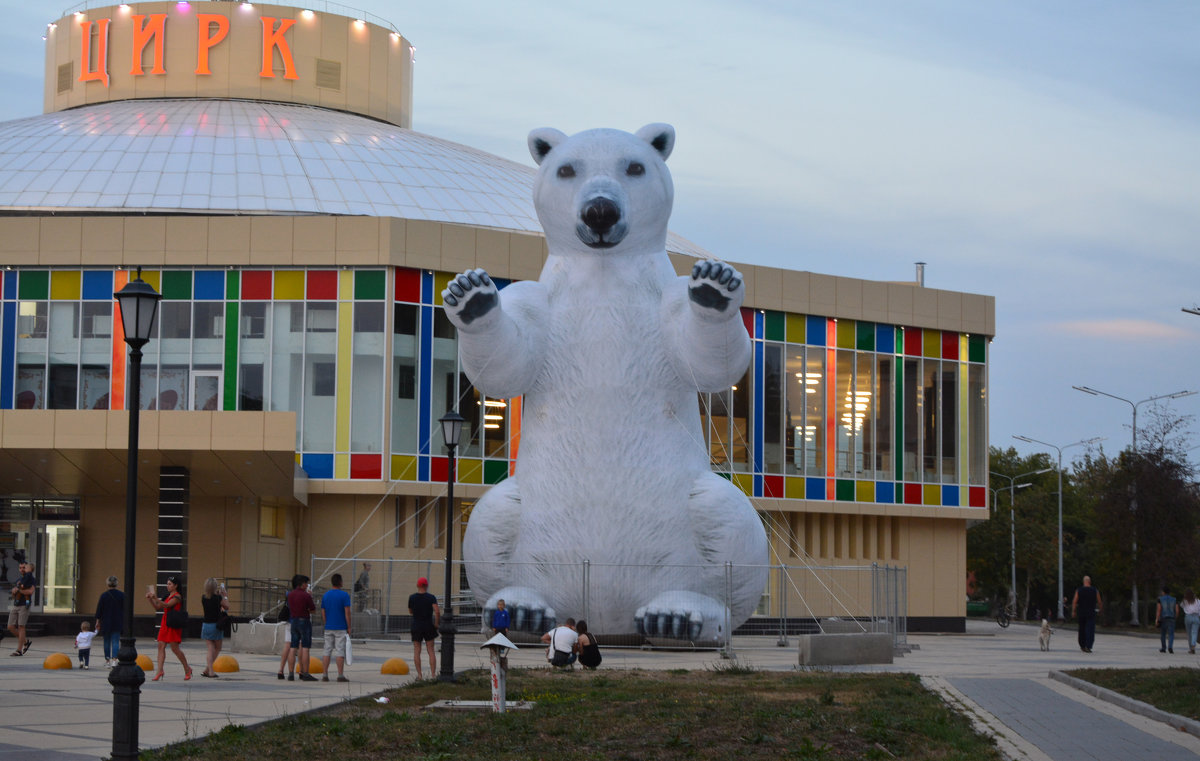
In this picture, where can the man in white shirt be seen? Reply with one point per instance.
(562, 640)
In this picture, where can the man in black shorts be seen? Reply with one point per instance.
(426, 615)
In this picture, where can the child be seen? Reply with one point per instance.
(83, 643)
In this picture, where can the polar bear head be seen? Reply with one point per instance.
(604, 190)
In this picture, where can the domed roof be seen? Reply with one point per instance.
(201, 156)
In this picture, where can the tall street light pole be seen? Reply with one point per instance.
(452, 424)
(139, 307)
(1133, 500)
(1012, 521)
(1058, 449)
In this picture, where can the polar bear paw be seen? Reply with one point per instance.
(470, 296)
(681, 615)
(716, 288)
(527, 610)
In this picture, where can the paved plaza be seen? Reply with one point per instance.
(999, 677)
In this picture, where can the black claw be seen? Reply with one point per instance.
(483, 276)
(694, 628)
(449, 300)
(678, 622)
(535, 619)
(726, 274)
(696, 270)
(463, 282)
(639, 625)
(664, 624)
(518, 619)
(456, 289)
(474, 278)
(734, 284)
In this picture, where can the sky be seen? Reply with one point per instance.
(1047, 154)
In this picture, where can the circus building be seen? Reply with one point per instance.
(257, 163)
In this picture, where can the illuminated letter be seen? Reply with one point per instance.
(142, 34)
(100, 74)
(275, 39)
(206, 40)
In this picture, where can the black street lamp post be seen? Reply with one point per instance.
(452, 424)
(139, 307)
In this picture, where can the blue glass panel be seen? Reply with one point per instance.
(317, 465)
(814, 488)
(816, 331)
(10, 285)
(423, 466)
(8, 352)
(425, 381)
(885, 339)
(757, 422)
(885, 492)
(950, 496)
(98, 285)
(758, 483)
(426, 287)
(210, 285)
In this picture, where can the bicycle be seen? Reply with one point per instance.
(1005, 615)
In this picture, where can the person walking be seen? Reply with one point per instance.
(1086, 605)
(215, 602)
(300, 607)
(1164, 619)
(426, 618)
(22, 601)
(335, 607)
(361, 585)
(564, 644)
(110, 614)
(167, 634)
(1191, 617)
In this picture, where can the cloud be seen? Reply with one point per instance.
(1124, 329)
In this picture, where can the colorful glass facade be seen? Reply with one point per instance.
(830, 410)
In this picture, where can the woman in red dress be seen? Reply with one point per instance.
(168, 635)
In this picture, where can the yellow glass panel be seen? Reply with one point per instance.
(152, 278)
(341, 466)
(864, 491)
(933, 343)
(932, 494)
(289, 285)
(345, 361)
(404, 467)
(793, 488)
(845, 334)
(66, 284)
(745, 482)
(795, 327)
(470, 471)
(346, 285)
(964, 412)
(440, 281)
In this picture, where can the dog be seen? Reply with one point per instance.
(1044, 635)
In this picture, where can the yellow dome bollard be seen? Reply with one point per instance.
(144, 662)
(226, 664)
(315, 666)
(396, 666)
(56, 661)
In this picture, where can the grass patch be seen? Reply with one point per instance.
(627, 716)
(1175, 690)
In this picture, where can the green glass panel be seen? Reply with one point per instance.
(776, 326)
(233, 282)
(866, 336)
(369, 284)
(177, 285)
(845, 490)
(976, 346)
(495, 471)
(230, 373)
(898, 428)
(726, 476)
(33, 286)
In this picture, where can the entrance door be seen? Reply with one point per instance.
(206, 390)
(57, 569)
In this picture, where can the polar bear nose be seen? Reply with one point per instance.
(600, 214)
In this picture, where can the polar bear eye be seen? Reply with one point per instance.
(635, 169)
(566, 171)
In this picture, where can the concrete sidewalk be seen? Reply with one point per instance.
(999, 677)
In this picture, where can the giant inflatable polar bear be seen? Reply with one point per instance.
(609, 349)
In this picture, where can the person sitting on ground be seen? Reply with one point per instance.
(564, 644)
(589, 649)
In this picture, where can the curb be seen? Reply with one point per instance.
(1182, 723)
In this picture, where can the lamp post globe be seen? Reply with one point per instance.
(452, 424)
(138, 303)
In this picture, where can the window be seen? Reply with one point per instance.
(324, 378)
(97, 319)
(250, 393)
(210, 319)
(32, 319)
(272, 521)
(322, 318)
(254, 320)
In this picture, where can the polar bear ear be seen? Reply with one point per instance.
(660, 136)
(542, 141)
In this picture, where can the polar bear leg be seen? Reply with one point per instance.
(725, 529)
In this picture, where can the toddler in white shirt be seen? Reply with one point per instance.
(83, 643)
